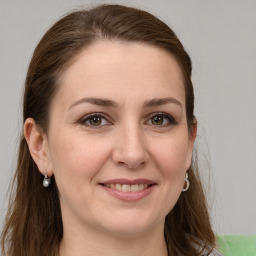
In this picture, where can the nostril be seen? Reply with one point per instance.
(130, 154)
(131, 165)
(135, 165)
(121, 163)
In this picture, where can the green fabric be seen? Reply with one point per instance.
(237, 245)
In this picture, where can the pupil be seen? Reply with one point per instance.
(95, 120)
(158, 120)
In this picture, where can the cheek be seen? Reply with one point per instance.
(171, 157)
(76, 160)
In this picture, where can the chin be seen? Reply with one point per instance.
(132, 225)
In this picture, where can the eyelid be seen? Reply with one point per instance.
(172, 120)
(84, 118)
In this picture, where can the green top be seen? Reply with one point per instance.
(237, 245)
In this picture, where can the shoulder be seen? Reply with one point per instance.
(205, 249)
(215, 253)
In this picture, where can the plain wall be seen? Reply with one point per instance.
(220, 37)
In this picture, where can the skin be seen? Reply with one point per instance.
(127, 143)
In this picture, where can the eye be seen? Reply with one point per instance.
(161, 119)
(94, 120)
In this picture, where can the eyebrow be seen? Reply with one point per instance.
(161, 101)
(96, 101)
(109, 103)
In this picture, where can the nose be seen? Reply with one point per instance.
(130, 148)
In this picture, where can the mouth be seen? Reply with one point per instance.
(127, 187)
(128, 190)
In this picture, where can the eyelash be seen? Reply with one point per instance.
(170, 119)
(84, 120)
(87, 118)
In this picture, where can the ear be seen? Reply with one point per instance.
(38, 146)
(192, 138)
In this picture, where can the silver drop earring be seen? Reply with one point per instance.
(187, 183)
(47, 180)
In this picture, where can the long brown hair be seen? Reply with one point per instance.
(33, 224)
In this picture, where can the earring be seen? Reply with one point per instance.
(187, 183)
(47, 180)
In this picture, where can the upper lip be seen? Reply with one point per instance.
(128, 181)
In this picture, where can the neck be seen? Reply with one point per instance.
(89, 242)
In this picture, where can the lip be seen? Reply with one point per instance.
(129, 181)
(129, 196)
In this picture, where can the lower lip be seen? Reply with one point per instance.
(129, 196)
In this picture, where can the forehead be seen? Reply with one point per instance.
(113, 68)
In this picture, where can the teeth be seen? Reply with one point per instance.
(141, 186)
(118, 187)
(135, 188)
(127, 187)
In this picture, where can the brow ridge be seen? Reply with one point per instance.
(96, 101)
(161, 101)
(109, 103)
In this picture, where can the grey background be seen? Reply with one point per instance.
(220, 36)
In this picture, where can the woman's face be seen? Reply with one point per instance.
(118, 141)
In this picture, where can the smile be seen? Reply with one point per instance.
(128, 190)
(127, 187)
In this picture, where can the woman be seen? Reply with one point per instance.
(105, 164)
